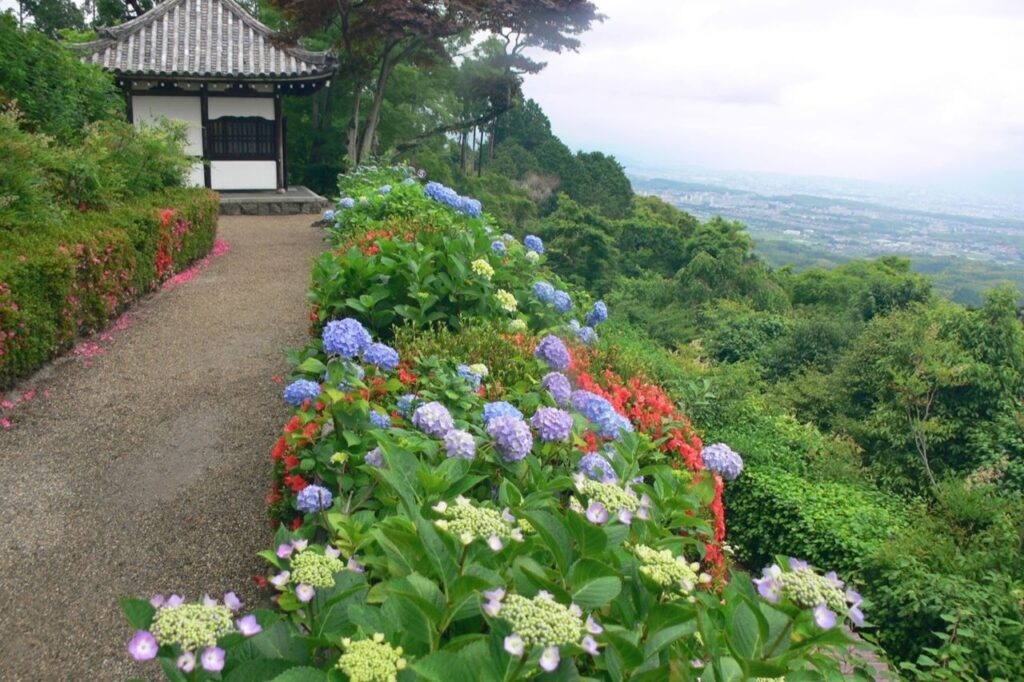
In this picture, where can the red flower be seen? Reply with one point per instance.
(296, 483)
(296, 523)
(280, 447)
(310, 430)
(261, 581)
(406, 376)
(293, 425)
(290, 463)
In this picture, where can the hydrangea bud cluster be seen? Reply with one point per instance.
(605, 498)
(380, 355)
(542, 621)
(808, 590)
(532, 257)
(371, 660)
(433, 419)
(300, 391)
(452, 199)
(469, 522)
(552, 424)
(314, 568)
(558, 386)
(533, 243)
(313, 498)
(482, 268)
(665, 569)
(459, 444)
(346, 338)
(512, 436)
(517, 326)
(553, 352)
(506, 301)
(722, 460)
(191, 626)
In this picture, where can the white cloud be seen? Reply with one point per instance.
(882, 90)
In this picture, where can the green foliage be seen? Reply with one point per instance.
(58, 94)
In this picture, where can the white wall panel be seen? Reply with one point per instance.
(243, 174)
(241, 106)
(149, 109)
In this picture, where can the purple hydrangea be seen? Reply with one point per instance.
(512, 436)
(347, 202)
(544, 292)
(384, 189)
(722, 460)
(597, 314)
(552, 424)
(406, 403)
(380, 420)
(329, 215)
(433, 419)
(601, 413)
(593, 465)
(382, 356)
(143, 646)
(460, 444)
(452, 199)
(472, 379)
(375, 458)
(552, 351)
(500, 408)
(346, 338)
(533, 243)
(300, 391)
(558, 386)
(562, 301)
(498, 247)
(586, 335)
(313, 498)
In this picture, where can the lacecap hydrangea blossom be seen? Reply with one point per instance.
(722, 460)
(805, 588)
(606, 498)
(371, 660)
(666, 569)
(512, 437)
(533, 243)
(542, 622)
(433, 419)
(500, 408)
(300, 391)
(313, 498)
(468, 522)
(553, 352)
(347, 338)
(382, 356)
(309, 567)
(558, 386)
(552, 424)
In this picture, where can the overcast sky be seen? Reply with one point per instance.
(919, 92)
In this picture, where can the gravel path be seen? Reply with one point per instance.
(146, 472)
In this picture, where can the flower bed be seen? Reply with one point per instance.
(56, 284)
(466, 489)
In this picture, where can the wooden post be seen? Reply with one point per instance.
(204, 112)
(279, 142)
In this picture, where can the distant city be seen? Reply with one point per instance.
(848, 219)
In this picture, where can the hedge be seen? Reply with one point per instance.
(56, 284)
(833, 525)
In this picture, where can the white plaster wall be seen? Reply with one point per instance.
(196, 176)
(149, 109)
(243, 174)
(241, 106)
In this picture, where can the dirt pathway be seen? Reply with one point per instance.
(146, 471)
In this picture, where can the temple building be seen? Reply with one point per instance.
(213, 66)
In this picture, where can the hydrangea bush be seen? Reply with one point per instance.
(484, 500)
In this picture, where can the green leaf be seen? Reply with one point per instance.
(631, 655)
(590, 539)
(304, 674)
(662, 638)
(437, 551)
(557, 539)
(139, 612)
(745, 634)
(259, 670)
(597, 592)
(312, 366)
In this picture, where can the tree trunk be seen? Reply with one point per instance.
(464, 156)
(490, 142)
(480, 156)
(353, 125)
(370, 129)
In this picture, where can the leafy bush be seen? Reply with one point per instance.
(429, 532)
(56, 284)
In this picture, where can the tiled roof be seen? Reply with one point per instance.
(202, 39)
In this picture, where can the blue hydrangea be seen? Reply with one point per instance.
(346, 338)
(433, 419)
(382, 356)
(300, 391)
(329, 215)
(380, 420)
(587, 335)
(472, 379)
(313, 498)
(385, 189)
(375, 458)
(722, 460)
(498, 247)
(533, 243)
(500, 408)
(459, 444)
(552, 424)
(452, 199)
(544, 292)
(552, 351)
(601, 413)
(558, 386)
(562, 301)
(409, 181)
(406, 403)
(347, 202)
(351, 370)
(593, 465)
(512, 436)
(597, 314)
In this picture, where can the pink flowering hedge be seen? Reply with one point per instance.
(56, 284)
